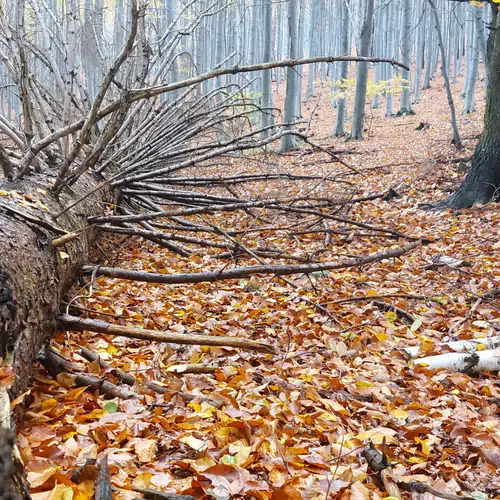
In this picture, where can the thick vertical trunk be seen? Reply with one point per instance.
(420, 57)
(428, 52)
(482, 183)
(389, 50)
(300, 53)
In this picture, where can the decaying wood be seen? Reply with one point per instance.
(129, 379)
(103, 489)
(159, 495)
(468, 362)
(405, 315)
(55, 364)
(378, 463)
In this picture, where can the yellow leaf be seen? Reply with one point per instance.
(391, 316)
(398, 413)
(84, 491)
(241, 453)
(195, 443)
(142, 480)
(48, 404)
(111, 349)
(364, 383)
(377, 435)
(63, 255)
(59, 492)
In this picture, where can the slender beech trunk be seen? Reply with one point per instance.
(404, 103)
(456, 136)
(290, 115)
(473, 69)
(362, 73)
(267, 96)
(339, 129)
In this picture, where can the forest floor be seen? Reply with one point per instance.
(293, 425)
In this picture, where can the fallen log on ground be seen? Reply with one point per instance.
(468, 362)
(95, 325)
(246, 271)
(34, 276)
(470, 345)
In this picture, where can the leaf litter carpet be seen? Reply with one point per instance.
(294, 424)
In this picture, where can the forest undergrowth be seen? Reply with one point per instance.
(293, 424)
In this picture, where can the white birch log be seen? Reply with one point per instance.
(464, 362)
(467, 346)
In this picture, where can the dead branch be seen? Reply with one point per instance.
(159, 495)
(369, 298)
(55, 364)
(31, 219)
(94, 325)
(129, 379)
(405, 315)
(103, 482)
(245, 272)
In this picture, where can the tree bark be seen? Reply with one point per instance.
(483, 180)
(362, 74)
(34, 276)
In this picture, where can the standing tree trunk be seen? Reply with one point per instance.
(428, 52)
(482, 183)
(267, 96)
(420, 56)
(473, 68)
(362, 73)
(290, 115)
(389, 7)
(311, 74)
(339, 130)
(456, 136)
(404, 102)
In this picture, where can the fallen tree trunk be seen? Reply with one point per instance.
(34, 276)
